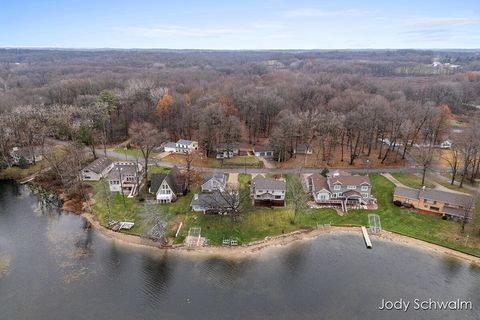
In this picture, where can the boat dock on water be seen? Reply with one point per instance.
(366, 237)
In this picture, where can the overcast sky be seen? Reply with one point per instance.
(222, 24)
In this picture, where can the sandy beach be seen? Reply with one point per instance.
(274, 241)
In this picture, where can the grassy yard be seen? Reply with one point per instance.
(411, 180)
(241, 161)
(119, 210)
(17, 173)
(257, 223)
(129, 152)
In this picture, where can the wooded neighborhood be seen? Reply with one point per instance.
(242, 136)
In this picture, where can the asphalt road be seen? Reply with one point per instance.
(404, 169)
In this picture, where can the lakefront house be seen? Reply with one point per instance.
(268, 191)
(167, 187)
(340, 189)
(31, 155)
(442, 203)
(125, 177)
(97, 169)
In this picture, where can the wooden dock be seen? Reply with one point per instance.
(366, 237)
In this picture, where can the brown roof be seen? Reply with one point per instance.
(350, 180)
(319, 182)
(351, 193)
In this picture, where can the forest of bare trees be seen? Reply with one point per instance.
(348, 102)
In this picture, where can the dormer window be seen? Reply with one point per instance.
(336, 187)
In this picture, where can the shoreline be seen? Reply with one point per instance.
(244, 251)
(253, 248)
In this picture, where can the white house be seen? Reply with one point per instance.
(261, 151)
(447, 144)
(186, 146)
(167, 187)
(96, 170)
(215, 181)
(170, 147)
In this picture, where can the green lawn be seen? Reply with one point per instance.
(17, 173)
(118, 209)
(240, 161)
(411, 180)
(257, 223)
(129, 152)
(155, 169)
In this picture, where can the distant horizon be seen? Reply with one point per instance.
(246, 25)
(219, 49)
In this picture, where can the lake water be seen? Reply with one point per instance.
(52, 267)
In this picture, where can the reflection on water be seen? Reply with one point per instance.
(4, 264)
(53, 266)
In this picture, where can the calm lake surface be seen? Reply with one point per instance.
(51, 267)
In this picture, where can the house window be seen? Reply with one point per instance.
(278, 197)
(364, 195)
(364, 188)
(336, 187)
(351, 187)
(323, 197)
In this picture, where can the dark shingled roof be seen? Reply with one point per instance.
(130, 169)
(174, 179)
(459, 199)
(212, 201)
(98, 165)
(259, 182)
(157, 179)
(406, 192)
(454, 198)
(262, 148)
(219, 176)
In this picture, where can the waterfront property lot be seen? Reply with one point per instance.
(256, 223)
